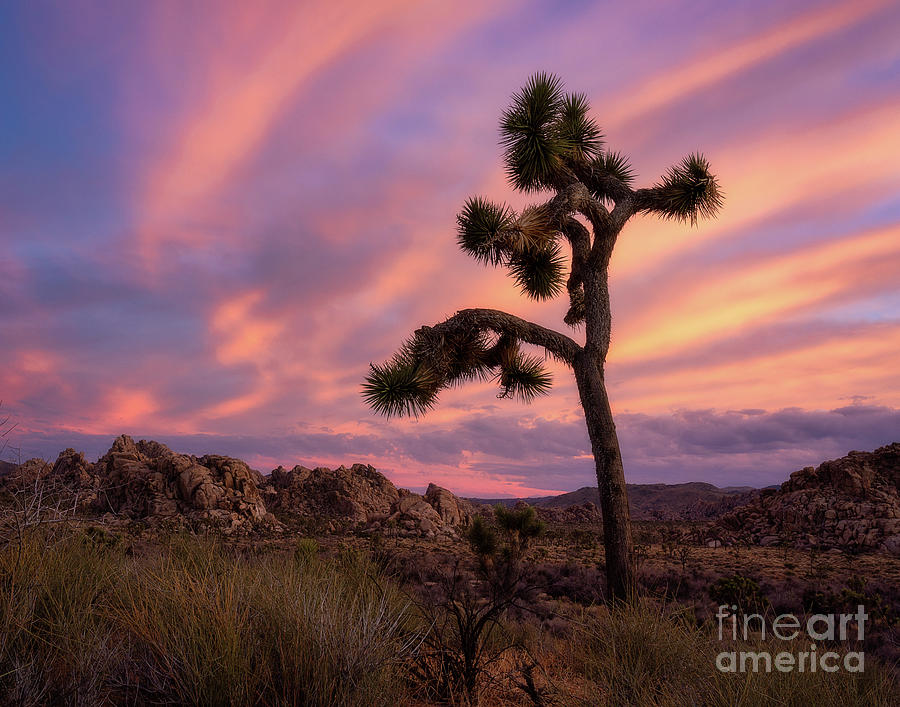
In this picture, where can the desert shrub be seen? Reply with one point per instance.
(293, 630)
(337, 632)
(582, 584)
(881, 608)
(669, 583)
(636, 651)
(739, 591)
(306, 549)
(98, 535)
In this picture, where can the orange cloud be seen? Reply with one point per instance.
(819, 376)
(244, 98)
(245, 336)
(119, 408)
(732, 298)
(263, 67)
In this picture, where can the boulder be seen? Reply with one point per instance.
(353, 494)
(891, 545)
(452, 509)
(147, 479)
(414, 515)
(72, 467)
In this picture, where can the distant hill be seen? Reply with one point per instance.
(694, 500)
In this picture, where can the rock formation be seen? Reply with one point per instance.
(361, 495)
(357, 494)
(147, 480)
(852, 503)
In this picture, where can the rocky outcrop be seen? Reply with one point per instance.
(147, 480)
(852, 502)
(357, 494)
(413, 515)
(72, 467)
(362, 496)
(28, 472)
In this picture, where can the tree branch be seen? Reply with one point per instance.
(580, 240)
(605, 243)
(645, 199)
(558, 345)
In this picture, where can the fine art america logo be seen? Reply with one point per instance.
(812, 656)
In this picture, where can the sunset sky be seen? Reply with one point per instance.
(214, 215)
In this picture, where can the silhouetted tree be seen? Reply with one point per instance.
(550, 145)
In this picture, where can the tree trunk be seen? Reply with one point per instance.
(610, 476)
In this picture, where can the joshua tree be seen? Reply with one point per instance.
(551, 146)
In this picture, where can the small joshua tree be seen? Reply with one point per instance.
(462, 642)
(551, 146)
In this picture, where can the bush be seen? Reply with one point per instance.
(56, 647)
(739, 591)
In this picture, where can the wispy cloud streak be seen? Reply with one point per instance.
(214, 217)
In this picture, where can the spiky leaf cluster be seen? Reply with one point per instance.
(518, 526)
(408, 384)
(525, 243)
(482, 537)
(522, 376)
(523, 524)
(482, 228)
(400, 388)
(530, 230)
(542, 126)
(608, 175)
(453, 357)
(615, 164)
(580, 132)
(539, 272)
(688, 191)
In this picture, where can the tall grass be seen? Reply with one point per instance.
(194, 623)
(55, 647)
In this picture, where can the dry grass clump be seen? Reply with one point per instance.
(83, 622)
